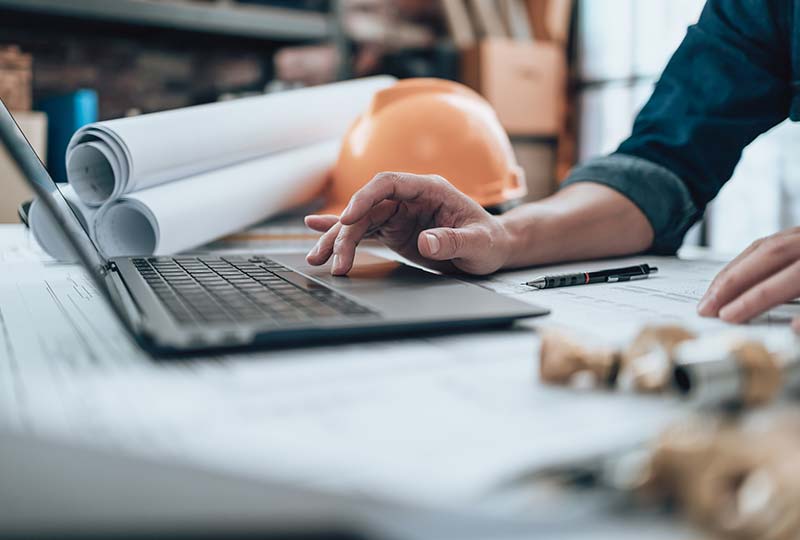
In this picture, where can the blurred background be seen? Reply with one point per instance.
(565, 76)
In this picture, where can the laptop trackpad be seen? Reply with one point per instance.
(408, 293)
(369, 271)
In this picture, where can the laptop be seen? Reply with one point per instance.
(199, 303)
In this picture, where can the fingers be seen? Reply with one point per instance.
(761, 260)
(444, 243)
(323, 250)
(344, 246)
(321, 223)
(340, 241)
(796, 325)
(708, 307)
(474, 249)
(781, 287)
(394, 187)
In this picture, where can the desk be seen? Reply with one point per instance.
(443, 422)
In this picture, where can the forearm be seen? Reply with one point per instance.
(583, 221)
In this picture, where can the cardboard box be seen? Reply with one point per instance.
(15, 78)
(525, 82)
(14, 189)
(15, 89)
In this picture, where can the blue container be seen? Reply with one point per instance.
(65, 115)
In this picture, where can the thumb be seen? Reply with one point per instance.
(445, 243)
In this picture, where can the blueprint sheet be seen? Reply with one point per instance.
(442, 420)
(615, 312)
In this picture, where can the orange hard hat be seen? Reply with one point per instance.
(429, 126)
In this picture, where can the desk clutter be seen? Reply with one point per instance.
(733, 467)
(165, 182)
(418, 420)
(735, 478)
(731, 368)
(233, 164)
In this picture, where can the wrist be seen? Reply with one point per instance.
(582, 221)
(510, 233)
(525, 227)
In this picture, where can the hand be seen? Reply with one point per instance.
(764, 276)
(423, 218)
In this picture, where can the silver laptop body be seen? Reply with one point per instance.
(188, 304)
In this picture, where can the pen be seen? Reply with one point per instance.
(640, 271)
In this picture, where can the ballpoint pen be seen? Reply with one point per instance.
(629, 273)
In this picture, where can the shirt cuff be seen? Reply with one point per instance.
(658, 192)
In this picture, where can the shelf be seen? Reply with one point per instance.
(256, 22)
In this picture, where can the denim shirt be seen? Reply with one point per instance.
(735, 76)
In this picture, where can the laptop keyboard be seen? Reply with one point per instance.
(202, 290)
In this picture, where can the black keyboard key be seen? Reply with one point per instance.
(244, 289)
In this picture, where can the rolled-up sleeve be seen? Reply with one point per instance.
(658, 192)
(728, 82)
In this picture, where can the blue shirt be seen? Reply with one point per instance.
(735, 76)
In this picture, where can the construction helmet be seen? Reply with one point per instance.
(429, 126)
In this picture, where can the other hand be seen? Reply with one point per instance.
(765, 275)
(423, 218)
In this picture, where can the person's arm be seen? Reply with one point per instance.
(728, 82)
(427, 220)
(583, 221)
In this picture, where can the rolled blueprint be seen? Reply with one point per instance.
(187, 213)
(107, 160)
(180, 215)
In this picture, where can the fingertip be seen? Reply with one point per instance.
(428, 244)
(320, 223)
(314, 223)
(730, 314)
(704, 310)
(317, 218)
(313, 259)
(340, 266)
(316, 257)
(322, 216)
(708, 306)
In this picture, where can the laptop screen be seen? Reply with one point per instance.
(47, 191)
(37, 177)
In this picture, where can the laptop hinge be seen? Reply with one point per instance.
(117, 285)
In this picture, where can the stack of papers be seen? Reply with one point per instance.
(166, 182)
(444, 421)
